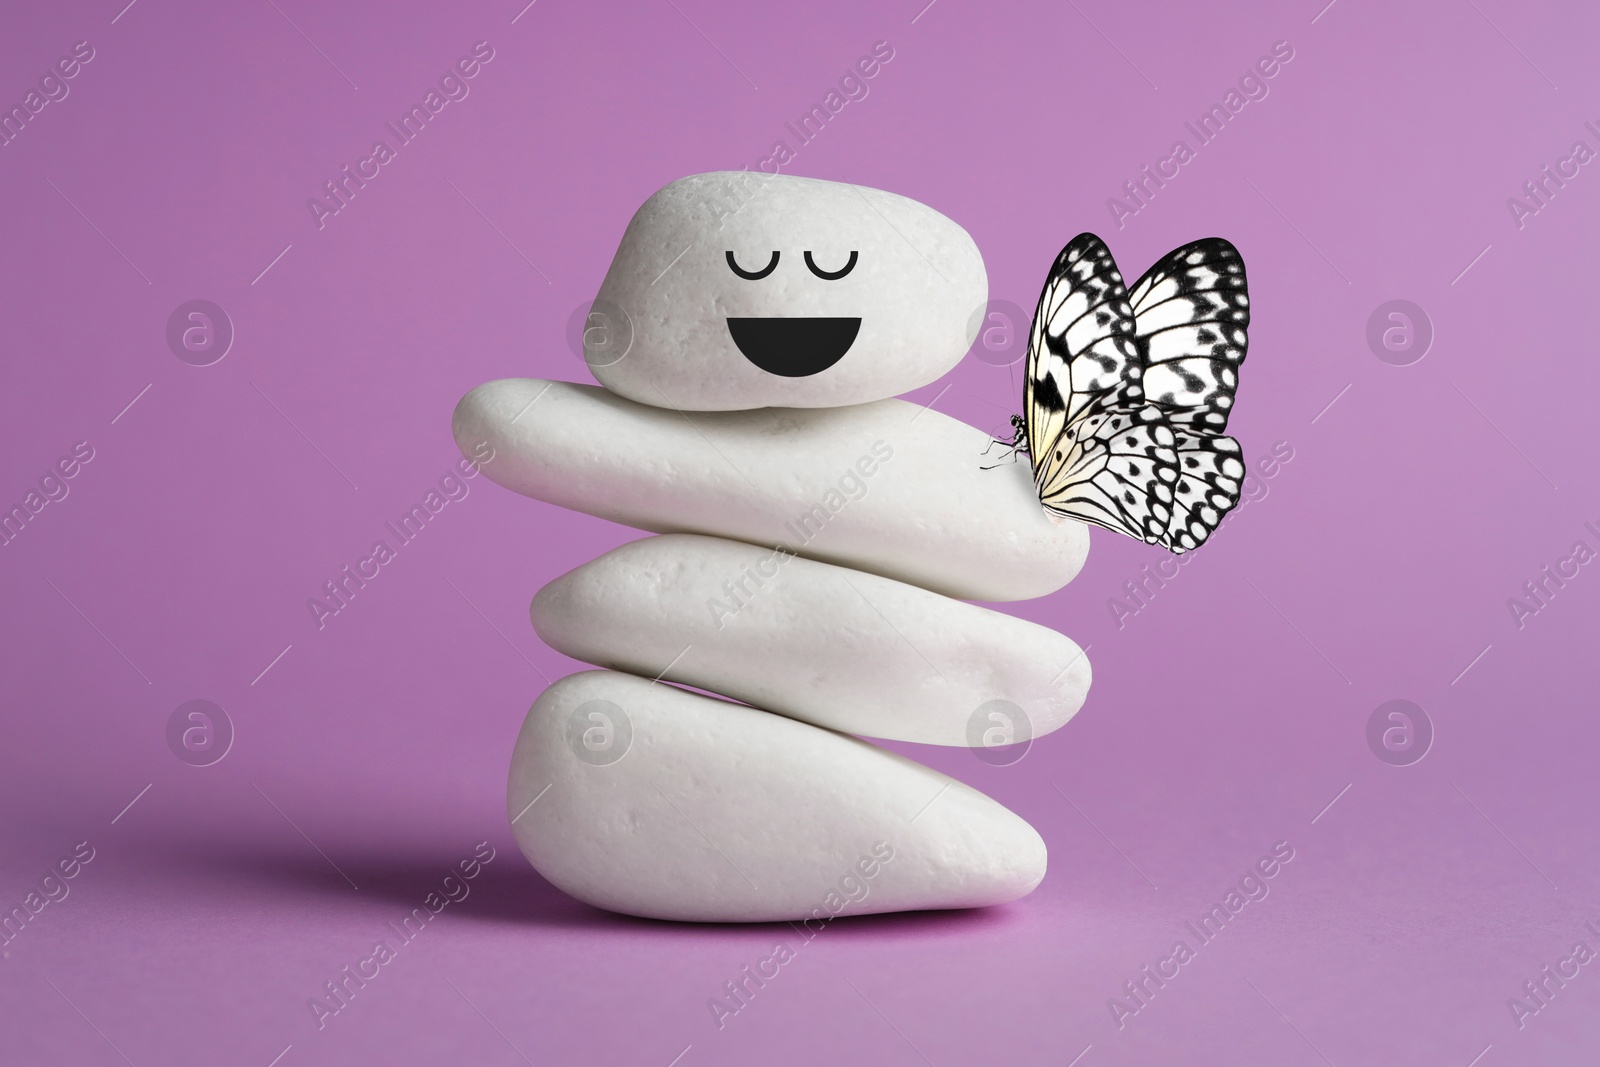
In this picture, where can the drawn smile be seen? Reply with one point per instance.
(794, 347)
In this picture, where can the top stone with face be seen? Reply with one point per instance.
(739, 290)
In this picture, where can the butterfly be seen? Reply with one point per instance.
(1127, 393)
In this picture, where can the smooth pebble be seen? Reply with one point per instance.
(888, 487)
(834, 647)
(642, 798)
(676, 325)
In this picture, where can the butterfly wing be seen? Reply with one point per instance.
(1210, 473)
(1191, 322)
(1100, 454)
(1116, 468)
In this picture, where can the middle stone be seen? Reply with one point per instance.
(825, 644)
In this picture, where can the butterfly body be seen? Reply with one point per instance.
(1127, 392)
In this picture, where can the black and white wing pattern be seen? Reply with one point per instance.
(1127, 394)
(1191, 320)
(1100, 453)
(1210, 474)
(1191, 316)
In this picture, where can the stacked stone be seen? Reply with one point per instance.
(813, 536)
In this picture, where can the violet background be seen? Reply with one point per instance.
(1219, 722)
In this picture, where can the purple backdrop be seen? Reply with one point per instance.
(1229, 713)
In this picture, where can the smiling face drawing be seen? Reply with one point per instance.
(793, 346)
(734, 290)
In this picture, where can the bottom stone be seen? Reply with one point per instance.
(642, 798)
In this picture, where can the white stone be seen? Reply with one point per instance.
(834, 647)
(887, 487)
(908, 310)
(717, 812)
